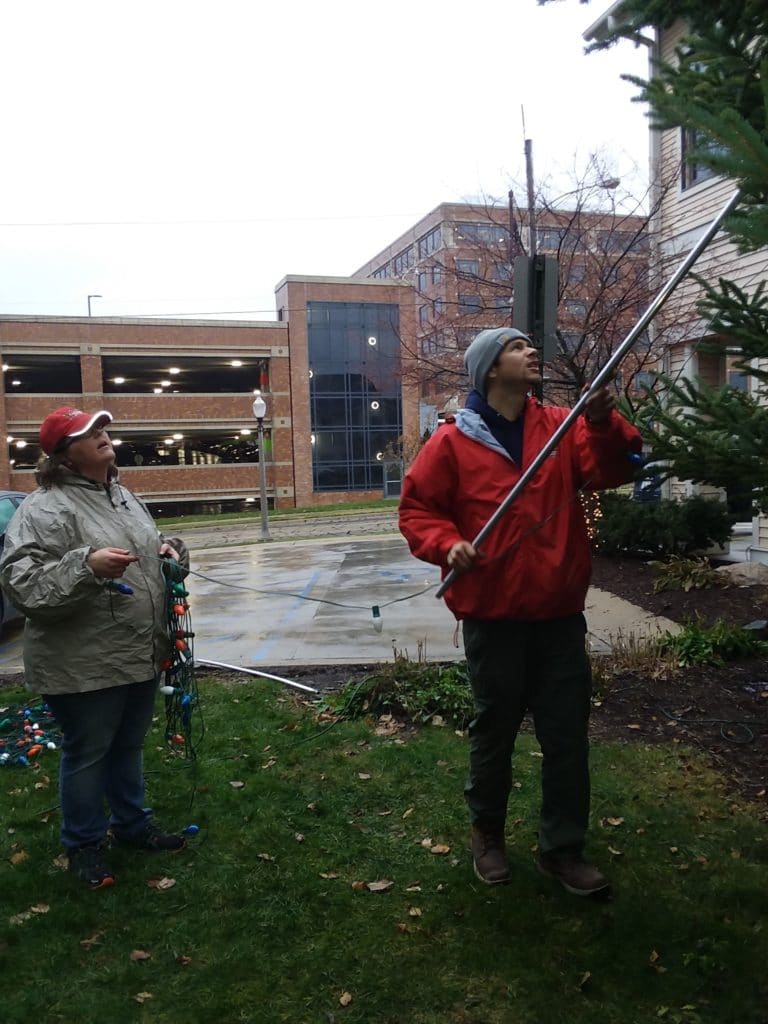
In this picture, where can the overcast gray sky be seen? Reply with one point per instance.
(179, 158)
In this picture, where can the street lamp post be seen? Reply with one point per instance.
(259, 411)
(89, 302)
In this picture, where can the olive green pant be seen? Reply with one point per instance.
(541, 668)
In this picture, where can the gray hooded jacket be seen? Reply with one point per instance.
(81, 633)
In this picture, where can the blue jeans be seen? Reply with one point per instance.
(102, 760)
(541, 668)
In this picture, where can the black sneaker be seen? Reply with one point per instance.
(153, 839)
(86, 864)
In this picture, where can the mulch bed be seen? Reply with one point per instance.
(723, 711)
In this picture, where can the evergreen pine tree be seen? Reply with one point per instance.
(717, 88)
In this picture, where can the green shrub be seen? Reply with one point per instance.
(712, 645)
(417, 689)
(659, 528)
(686, 574)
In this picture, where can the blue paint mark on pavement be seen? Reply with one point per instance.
(261, 653)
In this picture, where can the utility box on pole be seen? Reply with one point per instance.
(534, 302)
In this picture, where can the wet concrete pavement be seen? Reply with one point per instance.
(310, 600)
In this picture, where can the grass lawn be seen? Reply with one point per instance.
(271, 918)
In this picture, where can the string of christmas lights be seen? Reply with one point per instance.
(26, 733)
(184, 726)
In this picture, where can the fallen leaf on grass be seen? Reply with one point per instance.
(140, 954)
(634, 725)
(413, 888)
(584, 979)
(358, 886)
(382, 885)
(363, 776)
(20, 918)
(440, 849)
(414, 911)
(268, 764)
(408, 813)
(183, 960)
(161, 884)
(265, 856)
(92, 940)
(613, 822)
(40, 908)
(299, 837)
(237, 784)
(18, 857)
(345, 998)
(615, 852)
(329, 874)
(427, 843)
(142, 997)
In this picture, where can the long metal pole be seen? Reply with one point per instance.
(602, 377)
(254, 672)
(263, 484)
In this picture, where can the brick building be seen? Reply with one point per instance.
(181, 394)
(459, 262)
(350, 368)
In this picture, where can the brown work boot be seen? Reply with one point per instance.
(489, 855)
(574, 874)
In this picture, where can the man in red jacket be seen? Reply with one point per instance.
(521, 598)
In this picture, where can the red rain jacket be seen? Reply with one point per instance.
(537, 561)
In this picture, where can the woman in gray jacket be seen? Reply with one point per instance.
(92, 647)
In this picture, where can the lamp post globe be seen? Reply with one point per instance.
(259, 411)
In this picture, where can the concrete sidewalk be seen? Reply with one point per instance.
(310, 602)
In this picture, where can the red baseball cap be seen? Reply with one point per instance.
(66, 423)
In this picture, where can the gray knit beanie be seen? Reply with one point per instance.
(485, 350)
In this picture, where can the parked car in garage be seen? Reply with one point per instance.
(9, 502)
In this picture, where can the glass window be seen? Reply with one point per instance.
(469, 304)
(403, 261)
(481, 232)
(549, 238)
(424, 314)
(421, 280)
(354, 393)
(429, 243)
(437, 275)
(693, 172)
(468, 268)
(575, 307)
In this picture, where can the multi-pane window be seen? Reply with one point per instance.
(437, 275)
(469, 303)
(549, 238)
(429, 243)
(355, 402)
(575, 307)
(481, 232)
(381, 272)
(692, 171)
(468, 268)
(403, 261)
